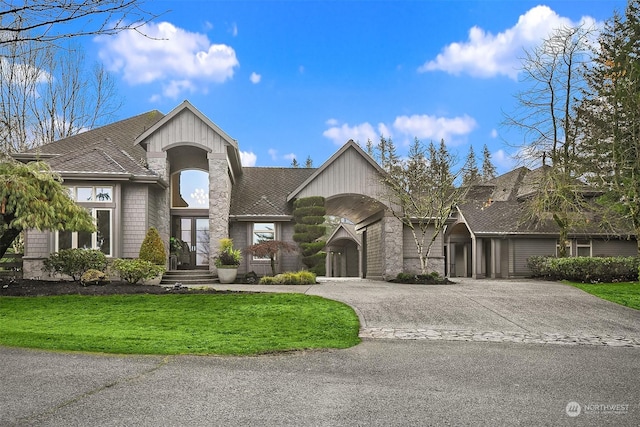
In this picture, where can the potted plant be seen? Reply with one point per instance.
(227, 261)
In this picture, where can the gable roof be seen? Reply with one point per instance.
(350, 145)
(104, 152)
(262, 192)
(232, 145)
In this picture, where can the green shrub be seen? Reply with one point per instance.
(92, 276)
(152, 248)
(75, 262)
(228, 256)
(585, 269)
(298, 278)
(135, 270)
(432, 278)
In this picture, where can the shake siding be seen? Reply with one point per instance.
(289, 262)
(409, 244)
(374, 250)
(134, 219)
(239, 233)
(603, 248)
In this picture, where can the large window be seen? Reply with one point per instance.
(263, 231)
(101, 239)
(98, 194)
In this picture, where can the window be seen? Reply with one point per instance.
(101, 239)
(91, 194)
(190, 189)
(263, 231)
(583, 247)
(569, 251)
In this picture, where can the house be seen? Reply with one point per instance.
(492, 235)
(133, 174)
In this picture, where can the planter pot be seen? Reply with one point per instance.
(227, 274)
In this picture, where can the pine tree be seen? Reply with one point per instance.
(308, 163)
(610, 113)
(488, 169)
(294, 163)
(471, 173)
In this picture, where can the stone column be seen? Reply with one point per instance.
(158, 163)
(219, 203)
(392, 247)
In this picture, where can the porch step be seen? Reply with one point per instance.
(188, 277)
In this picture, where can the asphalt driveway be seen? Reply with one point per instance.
(381, 382)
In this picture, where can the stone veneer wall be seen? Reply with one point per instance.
(37, 247)
(392, 247)
(219, 203)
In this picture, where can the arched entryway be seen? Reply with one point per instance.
(459, 251)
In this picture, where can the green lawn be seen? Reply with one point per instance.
(627, 293)
(178, 324)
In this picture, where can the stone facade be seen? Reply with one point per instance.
(219, 203)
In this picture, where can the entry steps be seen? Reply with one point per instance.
(188, 277)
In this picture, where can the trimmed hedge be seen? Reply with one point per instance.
(585, 269)
(298, 278)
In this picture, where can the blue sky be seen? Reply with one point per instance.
(300, 78)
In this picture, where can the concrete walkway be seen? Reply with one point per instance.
(478, 310)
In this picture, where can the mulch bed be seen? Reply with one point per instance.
(25, 287)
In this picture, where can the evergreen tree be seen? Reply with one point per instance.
(471, 173)
(308, 163)
(488, 169)
(610, 113)
(309, 229)
(294, 163)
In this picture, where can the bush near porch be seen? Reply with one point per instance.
(585, 269)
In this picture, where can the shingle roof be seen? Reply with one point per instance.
(499, 207)
(263, 191)
(108, 149)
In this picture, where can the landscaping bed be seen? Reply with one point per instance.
(29, 287)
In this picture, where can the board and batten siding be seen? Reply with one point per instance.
(184, 128)
(522, 249)
(348, 174)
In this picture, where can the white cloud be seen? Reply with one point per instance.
(180, 59)
(247, 158)
(494, 133)
(289, 156)
(234, 29)
(255, 78)
(486, 55)
(502, 160)
(273, 153)
(359, 133)
(434, 128)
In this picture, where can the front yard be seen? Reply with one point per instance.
(626, 293)
(240, 324)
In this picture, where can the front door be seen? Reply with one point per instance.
(194, 233)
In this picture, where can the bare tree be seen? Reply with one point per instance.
(421, 191)
(51, 21)
(48, 93)
(546, 115)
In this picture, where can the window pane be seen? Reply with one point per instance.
(263, 231)
(104, 194)
(103, 234)
(71, 192)
(84, 194)
(584, 251)
(64, 240)
(84, 240)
